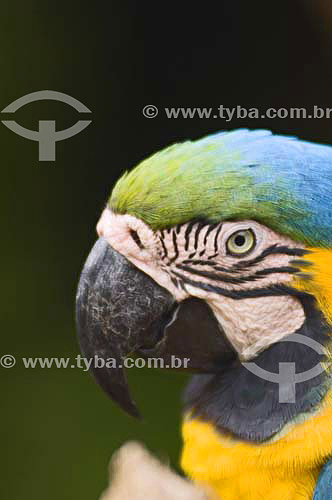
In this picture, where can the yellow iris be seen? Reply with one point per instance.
(241, 242)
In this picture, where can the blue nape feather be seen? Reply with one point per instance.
(304, 169)
(323, 490)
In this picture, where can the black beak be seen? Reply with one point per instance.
(122, 311)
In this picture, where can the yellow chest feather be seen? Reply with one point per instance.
(286, 468)
(282, 469)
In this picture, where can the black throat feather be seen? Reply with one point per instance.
(239, 403)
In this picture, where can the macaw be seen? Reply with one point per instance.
(219, 251)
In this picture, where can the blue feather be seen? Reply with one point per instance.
(280, 181)
(323, 489)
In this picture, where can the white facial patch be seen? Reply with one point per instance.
(251, 325)
(192, 260)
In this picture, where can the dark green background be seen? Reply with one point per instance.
(58, 430)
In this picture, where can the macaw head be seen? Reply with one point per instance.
(213, 251)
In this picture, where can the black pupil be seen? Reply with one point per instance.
(239, 240)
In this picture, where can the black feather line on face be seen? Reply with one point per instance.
(271, 291)
(216, 238)
(200, 226)
(161, 239)
(236, 280)
(272, 250)
(187, 233)
(241, 266)
(201, 262)
(211, 228)
(175, 246)
(213, 256)
(239, 403)
(178, 228)
(301, 263)
(136, 239)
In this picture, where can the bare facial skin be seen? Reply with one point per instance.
(193, 260)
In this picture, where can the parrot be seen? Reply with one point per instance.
(218, 251)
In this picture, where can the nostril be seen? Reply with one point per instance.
(136, 239)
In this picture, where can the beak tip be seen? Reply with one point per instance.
(128, 406)
(134, 412)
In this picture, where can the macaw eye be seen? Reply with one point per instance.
(241, 242)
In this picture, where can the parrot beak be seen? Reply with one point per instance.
(121, 311)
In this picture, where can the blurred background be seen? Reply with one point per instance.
(58, 430)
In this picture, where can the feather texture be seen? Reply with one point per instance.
(323, 490)
(279, 181)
